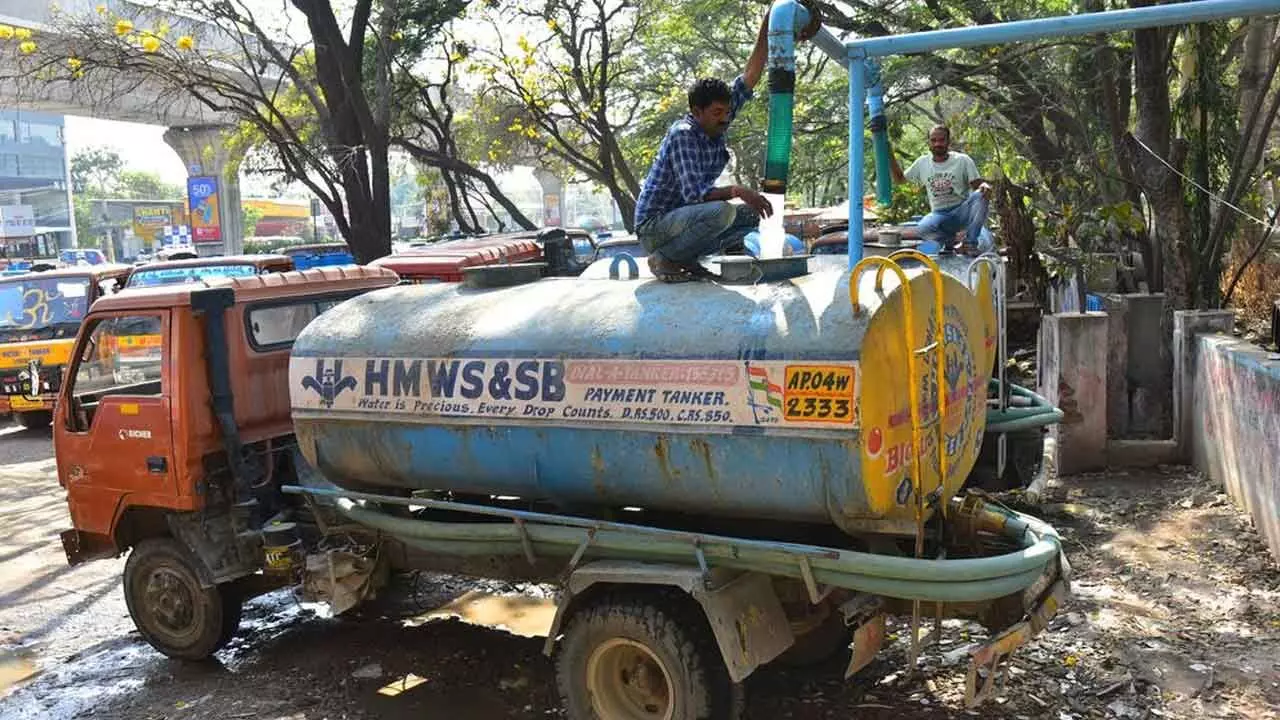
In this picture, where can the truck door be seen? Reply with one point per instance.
(113, 436)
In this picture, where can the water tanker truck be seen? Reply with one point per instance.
(767, 456)
(714, 476)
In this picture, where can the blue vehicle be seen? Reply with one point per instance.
(319, 255)
(82, 256)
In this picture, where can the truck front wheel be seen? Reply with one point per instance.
(173, 612)
(644, 656)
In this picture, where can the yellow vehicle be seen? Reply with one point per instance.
(40, 313)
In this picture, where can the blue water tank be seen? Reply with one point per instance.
(733, 400)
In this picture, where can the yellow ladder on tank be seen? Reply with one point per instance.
(918, 424)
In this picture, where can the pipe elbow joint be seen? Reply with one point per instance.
(786, 19)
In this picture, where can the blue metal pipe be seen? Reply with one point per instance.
(785, 18)
(832, 46)
(1085, 24)
(857, 96)
(1020, 31)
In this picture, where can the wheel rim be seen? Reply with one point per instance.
(627, 681)
(170, 604)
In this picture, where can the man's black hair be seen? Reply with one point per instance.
(705, 91)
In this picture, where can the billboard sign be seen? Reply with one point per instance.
(17, 221)
(202, 198)
(149, 222)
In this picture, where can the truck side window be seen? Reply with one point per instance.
(124, 355)
(273, 327)
(280, 324)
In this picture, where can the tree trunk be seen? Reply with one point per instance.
(1170, 228)
(626, 206)
(1019, 233)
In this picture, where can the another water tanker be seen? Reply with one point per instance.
(775, 401)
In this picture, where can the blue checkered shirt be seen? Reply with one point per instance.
(688, 163)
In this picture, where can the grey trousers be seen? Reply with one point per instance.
(687, 233)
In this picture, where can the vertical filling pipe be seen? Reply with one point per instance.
(786, 18)
(857, 97)
(880, 135)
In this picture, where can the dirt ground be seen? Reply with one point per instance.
(1176, 614)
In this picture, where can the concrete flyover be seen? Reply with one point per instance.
(195, 132)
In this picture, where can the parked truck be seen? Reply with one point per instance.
(773, 473)
(40, 313)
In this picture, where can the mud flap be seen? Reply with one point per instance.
(865, 614)
(867, 641)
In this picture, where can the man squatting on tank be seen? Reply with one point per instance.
(681, 215)
(958, 196)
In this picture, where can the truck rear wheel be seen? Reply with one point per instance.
(173, 612)
(644, 656)
(35, 420)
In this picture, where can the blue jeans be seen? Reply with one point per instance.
(687, 233)
(940, 226)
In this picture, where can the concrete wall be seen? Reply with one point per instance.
(1073, 377)
(1235, 425)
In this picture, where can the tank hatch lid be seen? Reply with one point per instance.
(746, 270)
(491, 276)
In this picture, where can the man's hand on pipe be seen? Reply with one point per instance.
(754, 200)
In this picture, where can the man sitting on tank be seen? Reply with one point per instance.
(681, 215)
(958, 196)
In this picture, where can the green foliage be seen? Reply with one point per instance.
(908, 202)
(249, 217)
(143, 185)
(100, 173)
(93, 170)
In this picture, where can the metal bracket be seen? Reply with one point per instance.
(525, 542)
(577, 555)
(816, 594)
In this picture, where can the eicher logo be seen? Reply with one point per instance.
(328, 382)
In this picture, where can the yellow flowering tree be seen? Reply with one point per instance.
(577, 82)
(445, 126)
(318, 110)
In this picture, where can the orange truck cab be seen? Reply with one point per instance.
(178, 452)
(40, 313)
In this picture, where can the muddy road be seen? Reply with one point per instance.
(1176, 615)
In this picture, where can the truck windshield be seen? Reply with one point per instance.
(42, 308)
(144, 277)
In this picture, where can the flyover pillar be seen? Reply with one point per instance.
(552, 198)
(213, 187)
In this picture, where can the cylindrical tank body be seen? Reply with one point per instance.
(769, 401)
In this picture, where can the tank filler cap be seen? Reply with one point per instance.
(746, 270)
(496, 276)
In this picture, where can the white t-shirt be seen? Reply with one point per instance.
(947, 181)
